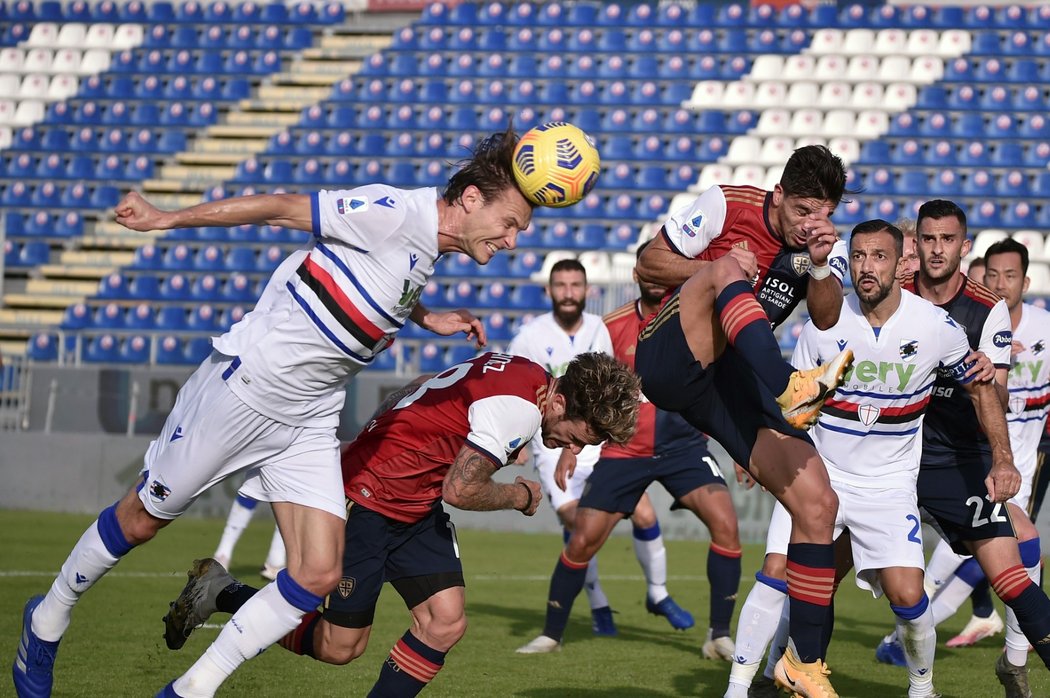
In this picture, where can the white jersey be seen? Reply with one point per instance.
(1029, 386)
(330, 308)
(544, 341)
(886, 393)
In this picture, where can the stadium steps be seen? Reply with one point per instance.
(28, 320)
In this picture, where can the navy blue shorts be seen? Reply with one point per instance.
(616, 484)
(726, 401)
(956, 497)
(419, 559)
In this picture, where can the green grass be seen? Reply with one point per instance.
(115, 647)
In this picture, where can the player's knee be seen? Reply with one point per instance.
(581, 548)
(316, 578)
(906, 595)
(775, 566)
(444, 631)
(725, 532)
(643, 517)
(137, 524)
(333, 652)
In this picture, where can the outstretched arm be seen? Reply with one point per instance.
(287, 210)
(659, 264)
(469, 485)
(450, 323)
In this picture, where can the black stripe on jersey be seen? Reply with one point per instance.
(333, 307)
(882, 419)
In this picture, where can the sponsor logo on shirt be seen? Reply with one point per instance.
(352, 204)
(1017, 405)
(1003, 339)
(838, 264)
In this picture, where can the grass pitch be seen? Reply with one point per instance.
(115, 645)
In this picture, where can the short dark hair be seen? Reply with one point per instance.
(940, 208)
(878, 225)
(602, 392)
(568, 265)
(1006, 246)
(489, 168)
(814, 172)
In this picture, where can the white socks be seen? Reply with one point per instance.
(595, 594)
(919, 640)
(277, 557)
(756, 627)
(236, 522)
(652, 557)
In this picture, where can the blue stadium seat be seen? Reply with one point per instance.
(495, 295)
(1041, 185)
(109, 317)
(984, 214)
(175, 288)
(935, 125)
(939, 153)
(205, 287)
(947, 183)
(171, 317)
(1020, 214)
(1007, 154)
(69, 225)
(42, 346)
(1037, 154)
(524, 264)
(102, 349)
(529, 297)
(113, 286)
(1013, 183)
(431, 358)
(198, 349)
(458, 353)
(970, 125)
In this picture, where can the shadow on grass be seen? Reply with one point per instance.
(528, 623)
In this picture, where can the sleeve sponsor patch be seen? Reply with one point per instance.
(1003, 339)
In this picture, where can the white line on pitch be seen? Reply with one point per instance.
(473, 578)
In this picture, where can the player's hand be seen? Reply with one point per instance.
(456, 321)
(983, 370)
(743, 477)
(747, 261)
(537, 494)
(523, 456)
(903, 274)
(565, 468)
(821, 237)
(1003, 481)
(136, 213)
(1016, 348)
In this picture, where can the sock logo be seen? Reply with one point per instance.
(922, 672)
(80, 579)
(554, 604)
(392, 663)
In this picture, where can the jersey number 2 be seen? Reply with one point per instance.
(996, 514)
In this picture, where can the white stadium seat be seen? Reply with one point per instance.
(1034, 241)
(768, 66)
(926, 70)
(621, 267)
(871, 124)
(707, 94)
(12, 59)
(72, 34)
(128, 36)
(922, 42)
(858, 41)
(839, 122)
(826, 41)
(803, 141)
(954, 43)
(900, 96)
(846, 148)
(95, 61)
(43, 34)
(806, 122)
(67, 60)
(890, 42)
(776, 149)
(893, 68)
(1039, 275)
(742, 150)
(34, 86)
(739, 95)
(984, 239)
(800, 67)
(7, 111)
(770, 94)
(773, 175)
(62, 87)
(773, 122)
(28, 112)
(598, 266)
(709, 177)
(862, 67)
(866, 95)
(100, 36)
(6, 137)
(9, 84)
(834, 94)
(749, 175)
(802, 94)
(38, 60)
(830, 68)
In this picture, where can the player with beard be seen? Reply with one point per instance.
(665, 449)
(967, 472)
(867, 435)
(552, 340)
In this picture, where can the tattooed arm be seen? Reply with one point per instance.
(469, 485)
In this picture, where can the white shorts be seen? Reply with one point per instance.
(884, 526)
(211, 435)
(1028, 468)
(546, 461)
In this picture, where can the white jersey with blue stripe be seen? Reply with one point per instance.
(329, 308)
(870, 431)
(544, 341)
(1029, 386)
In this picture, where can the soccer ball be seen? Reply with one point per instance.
(556, 164)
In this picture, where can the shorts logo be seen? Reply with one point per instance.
(354, 204)
(158, 491)
(692, 226)
(365, 492)
(909, 348)
(801, 263)
(868, 414)
(1003, 339)
(346, 586)
(1017, 405)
